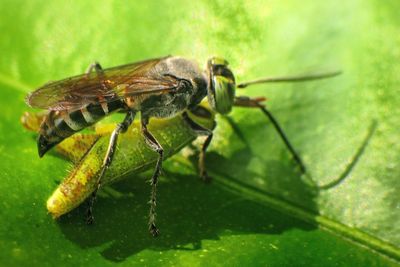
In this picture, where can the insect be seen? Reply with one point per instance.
(155, 88)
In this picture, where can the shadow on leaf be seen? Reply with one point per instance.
(189, 212)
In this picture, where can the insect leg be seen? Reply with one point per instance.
(244, 101)
(154, 145)
(201, 131)
(94, 66)
(121, 128)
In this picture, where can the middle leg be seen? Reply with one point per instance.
(154, 145)
(121, 128)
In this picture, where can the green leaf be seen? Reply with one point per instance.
(259, 210)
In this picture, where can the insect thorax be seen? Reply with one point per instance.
(191, 90)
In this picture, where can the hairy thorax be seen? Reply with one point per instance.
(191, 90)
(160, 105)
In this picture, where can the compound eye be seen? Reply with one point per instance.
(223, 94)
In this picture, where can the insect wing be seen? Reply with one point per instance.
(105, 86)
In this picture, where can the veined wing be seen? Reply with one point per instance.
(112, 84)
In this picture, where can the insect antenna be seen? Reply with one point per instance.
(243, 101)
(356, 157)
(295, 78)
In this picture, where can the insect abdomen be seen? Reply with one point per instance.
(58, 125)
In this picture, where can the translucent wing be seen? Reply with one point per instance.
(110, 85)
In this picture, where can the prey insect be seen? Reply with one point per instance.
(155, 88)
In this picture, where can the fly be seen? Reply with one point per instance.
(155, 88)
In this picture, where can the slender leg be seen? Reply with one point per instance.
(154, 145)
(244, 101)
(201, 131)
(121, 128)
(94, 66)
(202, 165)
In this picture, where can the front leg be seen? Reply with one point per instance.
(201, 131)
(154, 145)
(121, 128)
(244, 101)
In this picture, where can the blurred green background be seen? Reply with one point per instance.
(259, 211)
